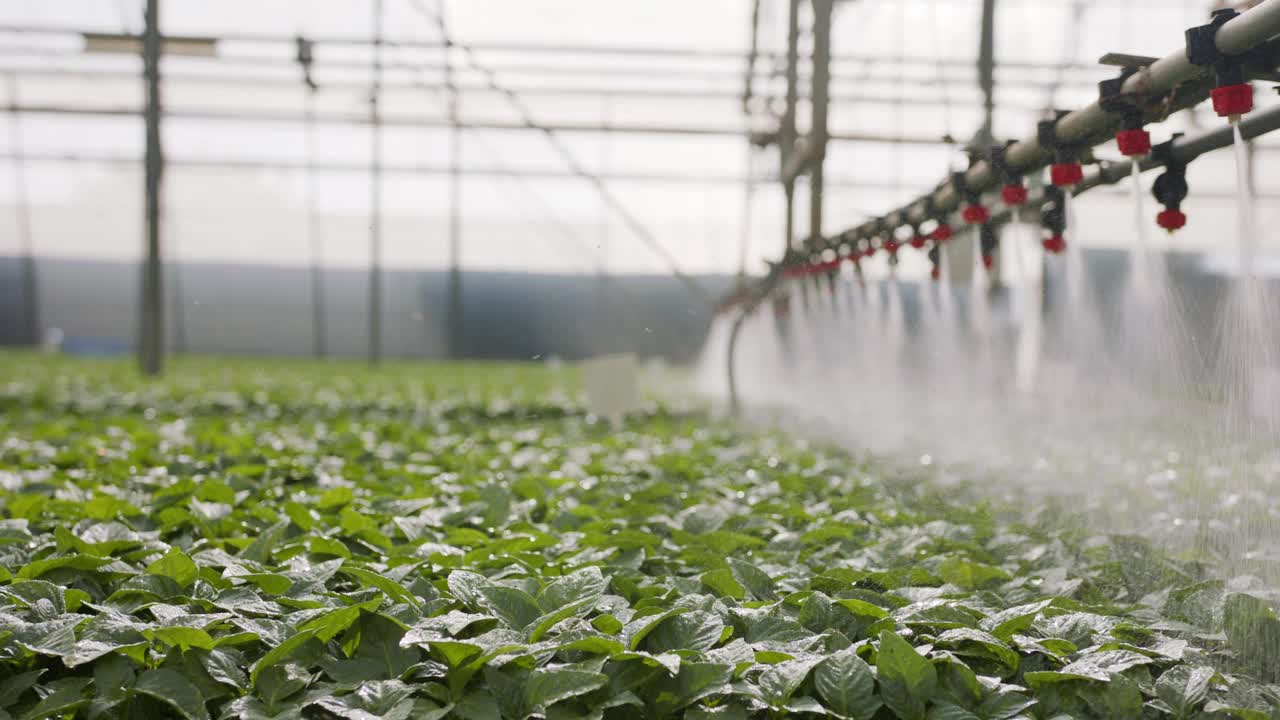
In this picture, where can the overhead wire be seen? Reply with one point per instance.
(628, 218)
(563, 228)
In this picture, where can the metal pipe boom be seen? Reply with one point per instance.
(1174, 74)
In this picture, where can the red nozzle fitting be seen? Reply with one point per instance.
(1232, 100)
(1134, 143)
(975, 214)
(869, 252)
(1066, 174)
(988, 261)
(942, 233)
(891, 246)
(1013, 195)
(918, 241)
(935, 273)
(1171, 219)
(1055, 244)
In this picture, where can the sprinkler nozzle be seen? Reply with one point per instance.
(1232, 95)
(918, 241)
(935, 274)
(988, 261)
(1171, 219)
(1232, 101)
(1055, 244)
(1066, 174)
(1134, 143)
(975, 214)
(942, 233)
(1014, 195)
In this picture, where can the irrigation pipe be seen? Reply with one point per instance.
(1092, 125)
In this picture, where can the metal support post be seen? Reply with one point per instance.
(375, 196)
(151, 319)
(455, 309)
(787, 136)
(816, 148)
(22, 213)
(987, 75)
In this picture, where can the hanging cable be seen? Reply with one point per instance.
(638, 228)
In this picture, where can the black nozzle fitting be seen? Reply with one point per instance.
(987, 240)
(1047, 136)
(1113, 99)
(1170, 189)
(1052, 213)
(1202, 49)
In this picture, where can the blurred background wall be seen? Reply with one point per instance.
(259, 309)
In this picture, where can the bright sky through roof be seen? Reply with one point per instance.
(236, 189)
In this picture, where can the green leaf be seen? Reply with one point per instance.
(380, 644)
(389, 587)
(515, 607)
(722, 582)
(104, 634)
(695, 630)
(50, 637)
(693, 682)
(259, 551)
(1102, 665)
(182, 637)
(13, 687)
(978, 644)
(328, 625)
(1252, 628)
(38, 568)
(907, 680)
(176, 565)
(466, 585)
(63, 697)
(541, 625)
(549, 686)
(454, 654)
(845, 684)
(174, 690)
(1119, 698)
(779, 682)
(755, 580)
(948, 711)
(576, 587)
(1184, 688)
(280, 653)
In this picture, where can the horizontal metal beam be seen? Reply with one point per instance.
(490, 172)
(426, 170)
(732, 56)
(267, 116)
(960, 76)
(613, 91)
